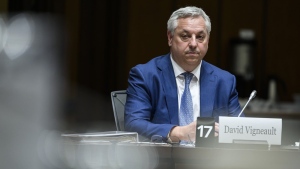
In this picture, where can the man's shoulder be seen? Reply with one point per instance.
(212, 69)
(161, 58)
(154, 62)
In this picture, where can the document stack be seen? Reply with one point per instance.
(101, 137)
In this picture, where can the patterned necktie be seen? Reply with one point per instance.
(186, 106)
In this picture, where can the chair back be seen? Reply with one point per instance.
(118, 99)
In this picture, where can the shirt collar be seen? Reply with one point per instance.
(178, 70)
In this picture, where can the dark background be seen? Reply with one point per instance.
(104, 39)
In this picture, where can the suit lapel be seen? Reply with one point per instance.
(170, 87)
(207, 90)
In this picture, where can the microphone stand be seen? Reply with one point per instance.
(252, 95)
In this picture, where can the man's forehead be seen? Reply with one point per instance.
(190, 26)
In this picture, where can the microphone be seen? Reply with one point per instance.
(252, 95)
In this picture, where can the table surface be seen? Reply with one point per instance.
(164, 156)
(222, 156)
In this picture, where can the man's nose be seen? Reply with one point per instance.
(193, 42)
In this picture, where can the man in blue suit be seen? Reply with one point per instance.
(155, 88)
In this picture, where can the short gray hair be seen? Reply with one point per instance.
(189, 11)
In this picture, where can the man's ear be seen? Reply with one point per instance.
(170, 38)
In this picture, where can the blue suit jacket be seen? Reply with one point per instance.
(152, 102)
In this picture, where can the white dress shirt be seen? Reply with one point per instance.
(194, 86)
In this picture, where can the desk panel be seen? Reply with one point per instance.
(235, 158)
(149, 156)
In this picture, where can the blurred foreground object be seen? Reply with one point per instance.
(31, 91)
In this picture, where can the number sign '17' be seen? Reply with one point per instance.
(205, 132)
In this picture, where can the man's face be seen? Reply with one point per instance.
(189, 43)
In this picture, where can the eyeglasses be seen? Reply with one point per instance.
(157, 139)
(188, 143)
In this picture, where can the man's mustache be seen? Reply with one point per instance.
(192, 52)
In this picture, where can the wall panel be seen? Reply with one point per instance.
(282, 45)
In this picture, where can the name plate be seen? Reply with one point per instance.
(250, 129)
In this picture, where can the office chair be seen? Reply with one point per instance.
(118, 99)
